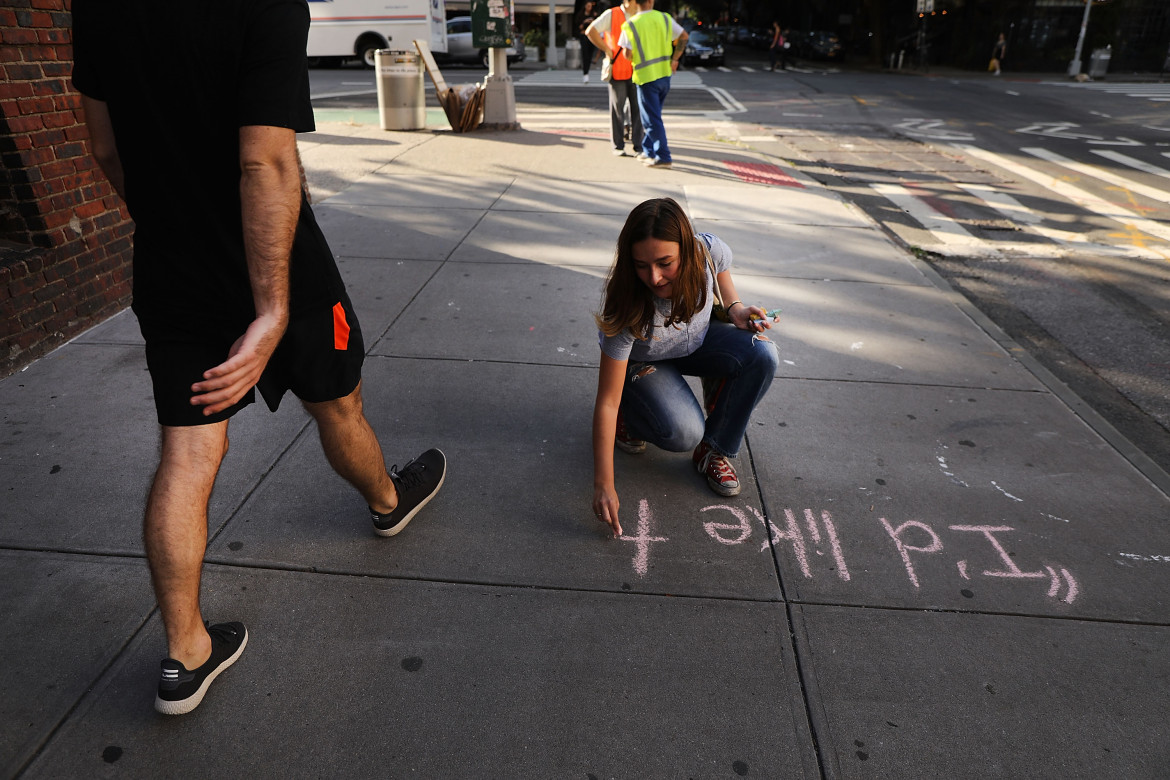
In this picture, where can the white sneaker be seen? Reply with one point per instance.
(619, 152)
(585, 79)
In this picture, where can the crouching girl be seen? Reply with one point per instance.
(656, 328)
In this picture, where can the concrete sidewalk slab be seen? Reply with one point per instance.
(360, 677)
(534, 314)
(774, 205)
(383, 188)
(559, 239)
(81, 474)
(904, 334)
(66, 619)
(811, 252)
(584, 197)
(928, 694)
(491, 524)
(380, 289)
(956, 499)
(400, 233)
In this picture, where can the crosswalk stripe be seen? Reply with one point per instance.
(949, 232)
(1014, 210)
(1132, 162)
(1153, 193)
(1082, 198)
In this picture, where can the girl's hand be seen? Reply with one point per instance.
(741, 317)
(605, 508)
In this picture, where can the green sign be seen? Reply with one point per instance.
(491, 23)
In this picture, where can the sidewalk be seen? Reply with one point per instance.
(936, 568)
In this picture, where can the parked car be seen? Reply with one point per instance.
(703, 49)
(822, 45)
(461, 52)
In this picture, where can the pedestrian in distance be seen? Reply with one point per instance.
(777, 50)
(235, 287)
(654, 43)
(659, 322)
(998, 52)
(617, 70)
(584, 20)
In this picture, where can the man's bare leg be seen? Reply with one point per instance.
(175, 533)
(352, 449)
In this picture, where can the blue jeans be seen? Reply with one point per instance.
(650, 99)
(659, 406)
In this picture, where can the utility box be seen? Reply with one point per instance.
(401, 101)
(1099, 62)
(491, 24)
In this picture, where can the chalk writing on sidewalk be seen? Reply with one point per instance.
(811, 536)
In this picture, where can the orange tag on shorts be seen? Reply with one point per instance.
(340, 328)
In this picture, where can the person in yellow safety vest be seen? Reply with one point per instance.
(604, 34)
(654, 44)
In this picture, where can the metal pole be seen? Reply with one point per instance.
(1074, 67)
(551, 51)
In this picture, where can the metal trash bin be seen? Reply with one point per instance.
(572, 53)
(400, 90)
(1099, 62)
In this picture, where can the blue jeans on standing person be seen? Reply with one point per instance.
(659, 406)
(651, 96)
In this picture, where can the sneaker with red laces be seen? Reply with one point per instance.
(624, 441)
(717, 469)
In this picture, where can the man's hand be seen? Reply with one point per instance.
(225, 384)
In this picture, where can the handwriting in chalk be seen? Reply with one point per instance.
(643, 539)
(817, 536)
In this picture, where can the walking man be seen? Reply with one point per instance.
(604, 34)
(235, 287)
(654, 43)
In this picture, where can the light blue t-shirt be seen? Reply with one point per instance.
(680, 339)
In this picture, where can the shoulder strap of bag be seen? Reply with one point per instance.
(711, 264)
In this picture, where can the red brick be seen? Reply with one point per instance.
(48, 137)
(18, 36)
(17, 89)
(58, 69)
(57, 169)
(49, 5)
(90, 209)
(54, 36)
(62, 119)
(35, 105)
(39, 52)
(49, 87)
(7, 17)
(25, 124)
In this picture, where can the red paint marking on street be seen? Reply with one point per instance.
(761, 173)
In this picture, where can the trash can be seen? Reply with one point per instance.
(1099, 62)
(572, 53)
(400, 90)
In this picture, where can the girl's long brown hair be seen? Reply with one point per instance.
(627, 301)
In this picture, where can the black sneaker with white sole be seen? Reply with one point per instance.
(417, 483)
(180, 690)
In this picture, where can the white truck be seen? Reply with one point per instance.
(348, 29)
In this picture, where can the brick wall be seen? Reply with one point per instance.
(64, 234)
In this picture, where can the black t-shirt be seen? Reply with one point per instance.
(180, 78)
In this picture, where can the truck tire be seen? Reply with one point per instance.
(366, 46)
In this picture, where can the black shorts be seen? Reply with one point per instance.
(319, 359)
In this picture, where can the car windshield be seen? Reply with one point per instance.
(701, 39)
